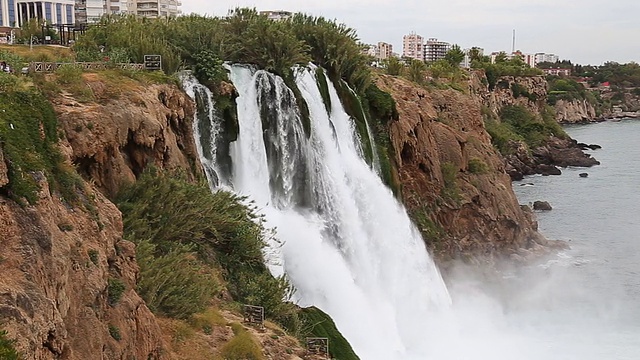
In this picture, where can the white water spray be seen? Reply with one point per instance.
(349, 246)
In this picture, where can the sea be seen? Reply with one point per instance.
(584, 303)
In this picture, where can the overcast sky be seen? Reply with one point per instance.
(583, 31)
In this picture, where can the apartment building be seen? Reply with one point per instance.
(384, 50)
(544, 57)
(435, 50)
(413, 46)
(14, 13)
(153, 8)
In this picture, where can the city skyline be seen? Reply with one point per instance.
(585, 33)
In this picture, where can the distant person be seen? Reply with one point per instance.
(3, 65)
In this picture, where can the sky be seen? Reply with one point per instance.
(583, 31)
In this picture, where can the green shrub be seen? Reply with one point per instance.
(477, 166)
(449, 173)
(177, 217)
(115, 289)
(93, 256)
(8, 82)
(176, 284)
(7, 349)
(242, 346)
(28, 136)
(319, 324)
(114, 331)
(69, 75)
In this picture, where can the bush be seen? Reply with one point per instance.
(449, 173)
(93, 256)
(28, 134)
(242, 347)
(176, 284)
(114, 331)
(7, 349)
(68, 75)
(115, 289)
(171, 217)
(477, 166)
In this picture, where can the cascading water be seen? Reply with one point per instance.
(206, 128)
(347, 245)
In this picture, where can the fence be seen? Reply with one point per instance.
(42, 67)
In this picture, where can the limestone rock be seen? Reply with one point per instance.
(112, 141)
(440, 129)
(576, 111)
(53, 288)
(4, 176)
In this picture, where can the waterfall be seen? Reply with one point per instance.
(206, 129)
(348, 246)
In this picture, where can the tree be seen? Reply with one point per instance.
(501, 57)
(393, 66)
(416, 71)
(454, 56)
(475, 54)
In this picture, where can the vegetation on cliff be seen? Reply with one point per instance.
(7, 350)
(188, 236)
(517, 123)
(28, 139)
(321, 325)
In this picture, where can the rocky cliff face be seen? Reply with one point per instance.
(67, 289)
(453, 181)
(577, 111)
(112, 141)
(57, 264)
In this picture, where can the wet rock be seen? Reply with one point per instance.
(547, 170)
(594, 147)
(584, 175)
(542, 206)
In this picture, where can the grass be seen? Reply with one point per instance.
(319, 324)
(7, 349)
(28, 135)
(477, 166)
(450, 189)
(242, 346)
(40, 52)
(207, 319)
(115, 289)
(114, 331)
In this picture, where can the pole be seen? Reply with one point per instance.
(513, 44)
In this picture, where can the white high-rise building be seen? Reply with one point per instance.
(435, 50)
(413, 46)
(154, 8)
(544, 57)
(14, 13)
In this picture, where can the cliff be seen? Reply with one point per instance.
(576, 111)
(454, 182)
(69, 284)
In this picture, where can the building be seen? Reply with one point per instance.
(384, 51)
(277, 14)
(466, 62)
(413, 46)
(435, 50)
(557, 71)
(15, 13)
(543, 57)
(529, 59)
(154, 8)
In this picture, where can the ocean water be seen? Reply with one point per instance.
(584, 303)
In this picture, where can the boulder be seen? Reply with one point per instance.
(542, 206)
(584, 175)
(547, 170)
(594, 146)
